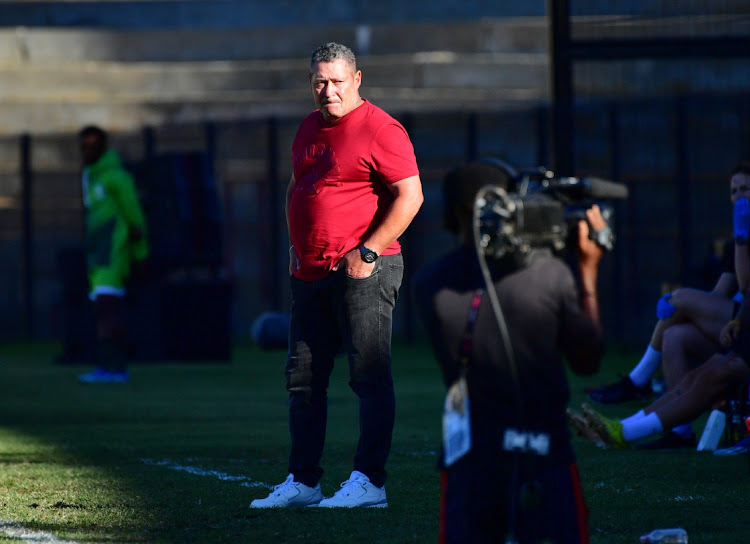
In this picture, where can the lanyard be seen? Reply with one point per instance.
(470, 321)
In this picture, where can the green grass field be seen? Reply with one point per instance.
(178, 454)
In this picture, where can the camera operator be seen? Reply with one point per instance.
(518, 481)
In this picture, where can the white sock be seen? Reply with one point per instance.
(641, 374)
(637, 428)
(685, 430)
(634, 417)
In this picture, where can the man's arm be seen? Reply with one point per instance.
(731, 330)
(589, 254)
(121, 186)
(407, 200)
(741, 220)
(426, 284)
(289, 191)
(585, 349)
(742, 266)
(294, 263)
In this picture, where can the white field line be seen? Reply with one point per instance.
(686, 498)
(198, 471)
(14, 529)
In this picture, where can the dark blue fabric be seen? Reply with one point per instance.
(477, 507)
(271, 330)
(542, 310)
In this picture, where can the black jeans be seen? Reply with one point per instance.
(356, 315)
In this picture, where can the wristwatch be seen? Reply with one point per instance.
(368, 255)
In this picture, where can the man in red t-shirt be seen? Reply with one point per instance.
(355, 189)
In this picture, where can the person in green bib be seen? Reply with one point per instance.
(116, 244)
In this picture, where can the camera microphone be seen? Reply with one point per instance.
(598, 188)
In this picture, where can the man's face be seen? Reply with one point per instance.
(739, 187)
(92, 149)
(335, 87)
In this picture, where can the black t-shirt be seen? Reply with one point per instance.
(541, 305)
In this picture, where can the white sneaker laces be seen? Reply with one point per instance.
(279, 489)
(348, 486)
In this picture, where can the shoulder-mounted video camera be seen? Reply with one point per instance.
(541, 211)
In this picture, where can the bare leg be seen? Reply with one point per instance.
(684, 347)
(700, 389)
(706, 310)
(704, 313)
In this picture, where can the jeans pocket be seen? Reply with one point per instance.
(375, 271)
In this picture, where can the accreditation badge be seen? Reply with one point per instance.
(456, 422)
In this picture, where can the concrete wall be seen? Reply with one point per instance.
(56, 79)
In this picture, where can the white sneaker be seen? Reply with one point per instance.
(288, 494)
(357, 491)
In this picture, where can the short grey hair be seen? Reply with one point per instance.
(331, 51)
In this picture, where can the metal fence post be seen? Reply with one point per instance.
(683, 185)
(28, 233)
(149, 142)
(409, 263)
(562, 87)
(624, 256)
(472, 137)
(275, 202)
(541, 118)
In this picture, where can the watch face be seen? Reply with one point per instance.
(368, 255)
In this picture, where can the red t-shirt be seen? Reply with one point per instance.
(341, 172)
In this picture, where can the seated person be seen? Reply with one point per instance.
(706, 311)
(698, 391)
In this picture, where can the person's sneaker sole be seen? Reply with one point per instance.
(582, 428)
(740, 448)
(619, 392)
(600, 427)
(287, 495)
(379, 505)
(357, 492)
(312, 505)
